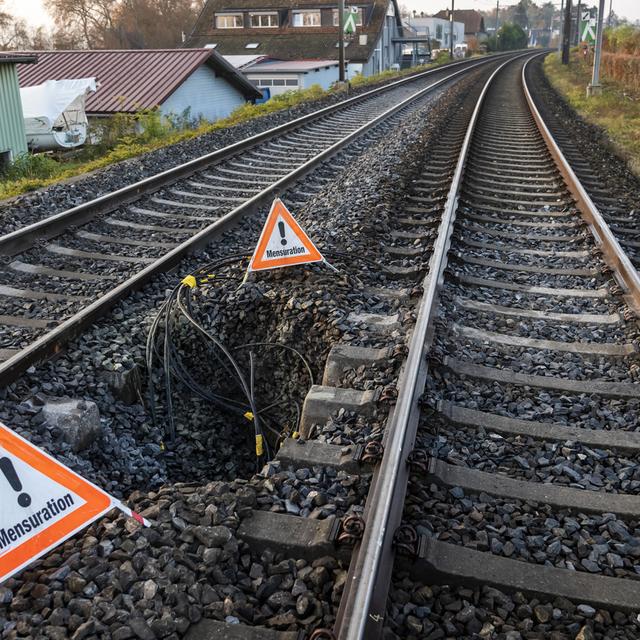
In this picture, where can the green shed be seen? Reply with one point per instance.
(13, 141)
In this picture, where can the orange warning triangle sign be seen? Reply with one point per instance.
(42, 502)
(282, 242)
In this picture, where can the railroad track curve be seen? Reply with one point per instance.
(511, 461)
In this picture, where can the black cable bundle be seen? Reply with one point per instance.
(161, 347)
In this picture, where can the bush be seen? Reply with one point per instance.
(31, 167)
(509, 37)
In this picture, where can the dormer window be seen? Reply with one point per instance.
(358, 17)
(229, 21)
(306, 19)
(264, 19)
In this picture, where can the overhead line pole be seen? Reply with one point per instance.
(610, 11)
(595, 87)
(561, 28)
(341, 40)
(566, 34)
(497, 14)
(451, 30)
(578, 20)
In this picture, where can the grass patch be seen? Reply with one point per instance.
(120, 144)
(614, 111)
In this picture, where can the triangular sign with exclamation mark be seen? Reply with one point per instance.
(282, 242)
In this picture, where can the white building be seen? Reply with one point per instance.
(280, 76)
(438, 29)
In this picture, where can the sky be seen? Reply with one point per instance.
(34, 13)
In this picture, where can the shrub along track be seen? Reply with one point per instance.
(118, 581)
(614, 189)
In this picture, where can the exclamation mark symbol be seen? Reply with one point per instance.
(281, 228)
(6, 466)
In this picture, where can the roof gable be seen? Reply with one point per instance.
(130, 80)
(285, 41)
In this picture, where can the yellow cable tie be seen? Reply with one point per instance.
(295, 435)
(189, 281)
(259, 449)
(248, 415)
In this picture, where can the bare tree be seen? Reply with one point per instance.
(92, 19)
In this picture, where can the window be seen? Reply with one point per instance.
(265, 83)
(358, 17)
(229, 21)
(252, 45)
(278, 83)
(438, 32)
(263, 20)
(306, 18)
(291, 83)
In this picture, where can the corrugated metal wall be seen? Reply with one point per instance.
(12, 137)
(207, 95)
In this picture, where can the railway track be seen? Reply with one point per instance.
(57, 267)
(618, 203)
(499, 496)
(510, 463)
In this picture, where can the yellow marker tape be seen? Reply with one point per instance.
(295, 435)
(189, 281)
(248, 415)
(259, 449)
(162, 447)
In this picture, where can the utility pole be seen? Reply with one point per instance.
(497, 15)
(341, 41)
(566, 33)
(451, 30)
(610, 12)
(578, 34)
(595, 88)
(560, 28)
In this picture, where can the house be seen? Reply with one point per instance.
(13, 141)
(302, 30)
(474, 29)
(198, 82)
(280, 76)
(438, 29)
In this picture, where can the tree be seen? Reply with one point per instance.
(123, 24)
(509, 37)
(521, 13)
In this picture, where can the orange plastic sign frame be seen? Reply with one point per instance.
(307, 251)
(96, 503)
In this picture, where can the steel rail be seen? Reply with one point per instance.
(362, 607)
(53, 341)
(614, 255)
(20, 239)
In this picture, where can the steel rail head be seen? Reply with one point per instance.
(614, 255)
(20, 239)
(52, 341)
(355, 618)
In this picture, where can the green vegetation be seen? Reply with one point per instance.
(30, 167)
(126, 136)
(509, 37)
(614, 111)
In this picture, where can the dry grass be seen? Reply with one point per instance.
(616, 110)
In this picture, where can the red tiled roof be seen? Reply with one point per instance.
(130, 80)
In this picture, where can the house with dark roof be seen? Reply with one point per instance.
(129, 81)
(13, 140)
(474, 29)
(302, 30)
